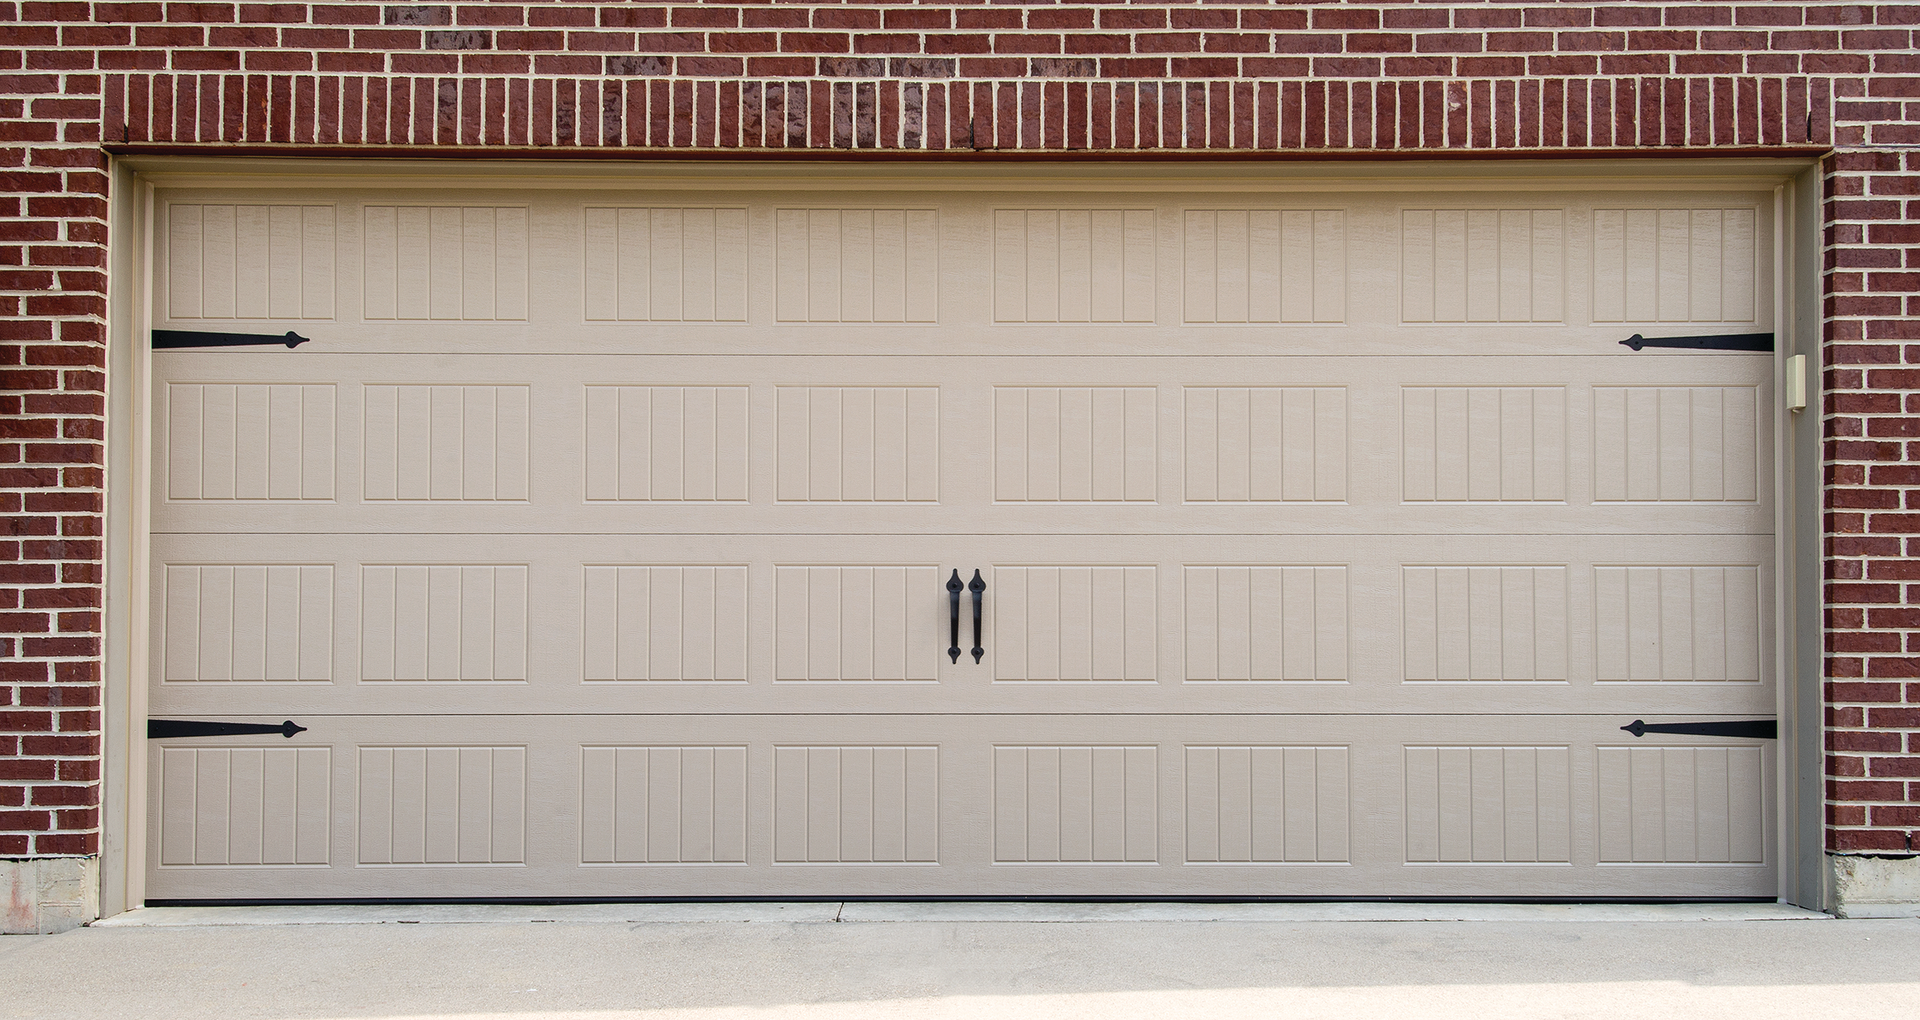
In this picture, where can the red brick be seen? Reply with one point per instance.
(1903, 815)
(67, 843)
(1026, 43)
(1132, 18)
(1903, 767)
(64, 796)
(1352, 20)
(1846, 814)
(1846, 766)
(1893, 666)
(919, 18)
(813, 42)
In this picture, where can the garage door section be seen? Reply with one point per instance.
(605, 544)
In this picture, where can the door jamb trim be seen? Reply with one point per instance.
(1795, 179)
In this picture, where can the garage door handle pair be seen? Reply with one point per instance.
(978, 586)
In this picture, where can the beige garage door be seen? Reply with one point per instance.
(600, 541)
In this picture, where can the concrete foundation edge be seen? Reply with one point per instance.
(1874, 886)
(47, 895)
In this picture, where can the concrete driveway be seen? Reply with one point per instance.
(850, 961)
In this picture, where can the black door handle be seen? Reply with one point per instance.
(953, 604)
(978, 586)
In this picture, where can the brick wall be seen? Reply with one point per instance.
(959, 80)
(53, 236)
(1873, 478)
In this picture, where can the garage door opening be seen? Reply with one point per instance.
(600, 541)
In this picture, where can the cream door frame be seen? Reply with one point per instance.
(1795, 183)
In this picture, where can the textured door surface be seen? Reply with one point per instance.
(601, 541)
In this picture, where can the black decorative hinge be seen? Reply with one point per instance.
(1756, 729)
(173, 339)
(1723, 342)
(164, 729)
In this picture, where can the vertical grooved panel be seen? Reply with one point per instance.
(1483, 265)
(1488, 805)
(442, 805)
(1483, 444)
(1265, 265)
(872, 623)
(445, 262)
(443, 622)
(1094, 623)
(1267, 805)
(1075, 444)
(1485, 623)
(244, 806)
(247, 622)
(1675, 265)
(1267, 444)
(666, 264)
(858, 444)
(1678, 444)
(1682, 805)
(856, 805)
(250, 262)
(1677, 623)
(1073, 265)
(1266, 623)
(664, 623)
(667, 444)
(454, 443)
(856, 265)
(249, 441)
(663, 805)
(1076, 805)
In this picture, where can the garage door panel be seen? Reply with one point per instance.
(1677, 444)
(1247, 805)
(1643, 258)
(1677, 264)
(1682, 804)
(1485, 623)
(441, 805)
(1495, 621)
(260, 806)
(249, 441)
(251, 260)
(663, 804)
(1267, 804)
(871, 623)
(1264, 266)
(247, 622)
(665, 263)
(333, 451)
(664, 623)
